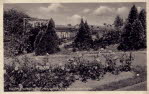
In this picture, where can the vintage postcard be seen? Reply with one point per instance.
(74, 46)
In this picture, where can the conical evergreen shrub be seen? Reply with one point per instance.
(142, 18)
(48, 42)
(138, 35)
(126, 42)
(133, 14)
(83, 39)
(118, 23)
(133, 36)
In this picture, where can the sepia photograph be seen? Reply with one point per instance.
(75, 46)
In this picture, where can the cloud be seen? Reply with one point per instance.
(139, 9)
(45, 12)
(86, 10)
(111, 11)
(75, 19)
(122, 10)
(104, 11)
(51, 8)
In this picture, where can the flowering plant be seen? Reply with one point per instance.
(29, 74)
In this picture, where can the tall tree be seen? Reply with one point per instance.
(132, 37)
(87, 29)
(83, 39)
(88, 34)
(14, 32)
(126, 38)
(51, 24)
(138, 35)
(142, 18)
(118, 23)
(48, 42)
(13, 21)
(133, 14)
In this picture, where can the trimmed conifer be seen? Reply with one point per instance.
(132, 37)
(118, 23)
(142, 18)
(133, 14)
(83, 39)
(126, 42)
(48, 42)
(88, 35)
(138, 35)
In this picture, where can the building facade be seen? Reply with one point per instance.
(61, 30)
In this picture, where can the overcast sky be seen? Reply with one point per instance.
(70, 13)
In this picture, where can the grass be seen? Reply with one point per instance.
(140, 57)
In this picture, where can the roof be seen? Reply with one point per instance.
(64, 28)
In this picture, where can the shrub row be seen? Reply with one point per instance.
(46, 77)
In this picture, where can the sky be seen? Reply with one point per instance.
(71, 13)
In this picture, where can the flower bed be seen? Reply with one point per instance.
(45, 77)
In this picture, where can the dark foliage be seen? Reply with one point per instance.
(13, 21)
(53, 78)
(33, 33)
(110, 38)
(83, 39)
(132, 37)
(138, 35)
(48, 42)
(37, 39)
(118, 23)
(133, 14)
(142, 18)
(16, 35)
(126, 38)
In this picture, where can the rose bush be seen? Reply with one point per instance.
(47, 77)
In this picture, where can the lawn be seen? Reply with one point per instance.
(59, 58)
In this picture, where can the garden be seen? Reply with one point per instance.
(27, 74)
(39, 60)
